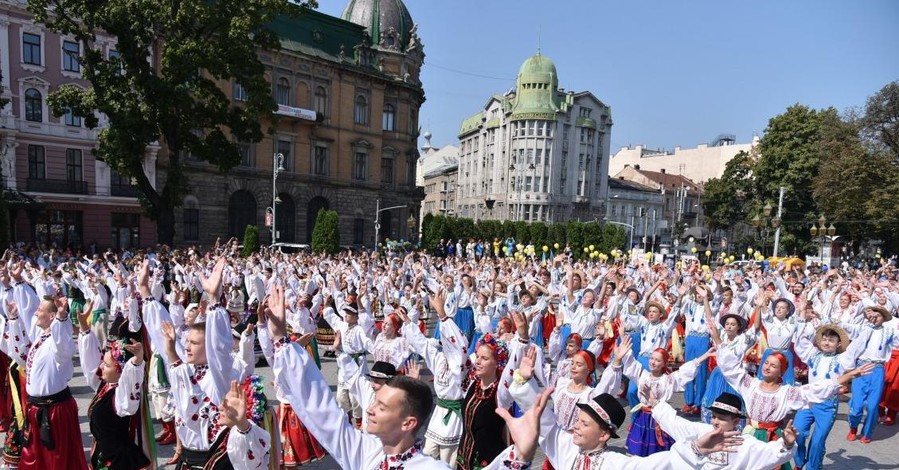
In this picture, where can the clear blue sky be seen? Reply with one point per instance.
(674, 72)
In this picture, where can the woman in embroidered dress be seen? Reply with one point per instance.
(768, 399)
(645, 436)
(117, 375)
(780, 330)
(389, 345)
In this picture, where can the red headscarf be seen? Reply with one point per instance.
(577, 339)
(664, 353)
(783, 364)
(395, 321)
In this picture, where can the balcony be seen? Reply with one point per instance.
(123, 190)
(56, 186)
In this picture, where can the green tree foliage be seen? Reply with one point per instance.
(790, 157)
(326, 234)
(880, 123)
(250, 240)
(164, 84)
(724, 199)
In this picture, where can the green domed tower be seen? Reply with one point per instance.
(536, 89)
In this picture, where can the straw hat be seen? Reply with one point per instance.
(844, 338)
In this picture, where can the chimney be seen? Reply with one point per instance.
(663, 171)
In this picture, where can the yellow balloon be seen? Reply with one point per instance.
(648, 256)
(556, 246)
(749, 250)
(731, 259)
(586, 249)
(545, 248)
(519, 246)
(693, 250)
(705, 267)
(708, 253)
(592, 248)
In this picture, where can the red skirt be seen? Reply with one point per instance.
(66, 434)
(891, 384)
(5, 394)
(298, 446)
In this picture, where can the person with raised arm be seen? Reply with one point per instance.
(401, 407)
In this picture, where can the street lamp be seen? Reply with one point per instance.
(411, 223)
(824, 231)
(378, 211)
(765, 223)
(277, 167)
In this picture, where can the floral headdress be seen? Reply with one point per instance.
(119, 354)
(254, 391)
(499, 348)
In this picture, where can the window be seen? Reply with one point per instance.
(358, 231)
(120, 185)
(360, 172)
(71, 52)
(31, 48)
(321, 101)
(191, 222)
(246, 153)
(282, 92)
(238, 92)
(73, 165)
(285, 147)
(61, 227)
(125, 231)
(320, 160)
(410, 171)
(71, 119)
(36, 168)
(386, 171)
(34, 106)
(388, 121)
(360, 116)
(115, 57)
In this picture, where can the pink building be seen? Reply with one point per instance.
(58, 192)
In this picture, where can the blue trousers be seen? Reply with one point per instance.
(633, 396)
(696, 346)
(866, 393)
(823, 416)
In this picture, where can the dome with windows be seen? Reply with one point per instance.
(536, 88)
(388, 22)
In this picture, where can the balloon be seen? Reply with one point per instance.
(545, 248)
(705, 267)
(556, 246)
(592, 248)
(586, 249)
(648, 256)
(693, 250)
(749, 250)
(519, 246)
(708, 253)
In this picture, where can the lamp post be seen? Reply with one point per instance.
(765, 223)
(378, 211)
(411, 223)
(277, 167)
(823, 231)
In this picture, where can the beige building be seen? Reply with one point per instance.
(437, 174)
(682, 199)
(699, 164)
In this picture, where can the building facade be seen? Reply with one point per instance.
(639, 208)
(536, 152)
(437, 174)
(349, 94)
(699, 164)
(682, 210)
(59, 193)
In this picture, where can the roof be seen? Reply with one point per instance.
(381, 17)
(471, 123)
(626, 185)
(536, 89)
(669, 180)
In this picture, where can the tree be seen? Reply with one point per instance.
(723, 198)
(163, 86)
(250, 240)
(880, 124)
(326, 234)
(790, 157)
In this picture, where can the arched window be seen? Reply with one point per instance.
(361, 114)
(388, 121)
(241, 212)
(321, 101)
(282, 92)
(34, 106)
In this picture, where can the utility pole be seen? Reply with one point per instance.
(780, 207)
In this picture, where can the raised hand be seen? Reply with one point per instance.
(719, 441)
(526, 367)
(168, 336)
(525, 430)
(623, 348)
(84, 316)
(413, 369)
(521, 324)
(212, 285)
(305, 339)
(277, 324)
(789, 435)
(234, 409)
(137, 350)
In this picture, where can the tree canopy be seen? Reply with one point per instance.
(163, 83)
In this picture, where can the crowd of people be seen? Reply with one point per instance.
(524, 352)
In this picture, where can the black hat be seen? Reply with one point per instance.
(382, 370)
(729, 404)
(740, 320)
(606, 410)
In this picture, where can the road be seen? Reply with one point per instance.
(880, 454)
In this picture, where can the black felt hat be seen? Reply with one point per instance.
(729, 404)
(606, 410)
(382, 370)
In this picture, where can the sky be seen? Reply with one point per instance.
(674, 72)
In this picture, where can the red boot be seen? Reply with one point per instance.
(168, 433)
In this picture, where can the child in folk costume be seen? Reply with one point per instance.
(780, 329)
(695, 345)
(877, 343)
(200, 383)
(117, 375)
(727, 414)
(446, 359)
(645, 437)
(768, 399)
(735, 335)
(351, 338)
(390, 346)
(825, 351)
(560, 359)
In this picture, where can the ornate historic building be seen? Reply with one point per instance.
(537, 152)
(349, 94)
